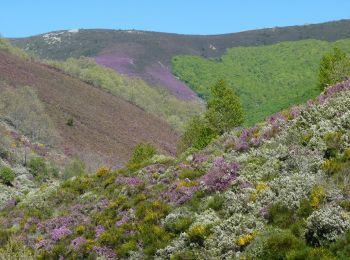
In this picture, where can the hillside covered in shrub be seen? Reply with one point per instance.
(266, 78)
(90, 122)
(278, 190)
(155, 100)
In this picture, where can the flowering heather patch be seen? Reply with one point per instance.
(56, 223)
(163, 76)
(131, 181)
(123, 65)
(199, 158)
(45, 244)
(99, 230)
(220, 209)
(329, 92)
(105, 251)
(59, 233)
(221, 175)
(123, 220)
(77, 243)
(180, 194)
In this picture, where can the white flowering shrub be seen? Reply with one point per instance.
(326, 225)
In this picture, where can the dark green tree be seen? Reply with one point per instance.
(224, 112)
(334, 68)
(224, 108)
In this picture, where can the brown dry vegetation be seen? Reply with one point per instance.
(104, 125)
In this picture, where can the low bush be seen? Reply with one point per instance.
(7, 175)
(141, 154)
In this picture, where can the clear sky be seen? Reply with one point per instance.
(29, 17)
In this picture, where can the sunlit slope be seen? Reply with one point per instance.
(267, 78)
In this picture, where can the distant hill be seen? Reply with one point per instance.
(106, 127)
(267, 78)
(148, 54)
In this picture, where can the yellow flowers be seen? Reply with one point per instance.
(246, 239)
(317, 195)
(198, 233)
(261, 186)
(102, 171)
(80, 229)
(185, 183)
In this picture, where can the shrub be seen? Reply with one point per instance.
(216, 202)
(7, 175)
(333, 142)
(70, 122)
(279, 244)
(317, 195)
(190, 174)
(198, 134)
(141, 154)
(326, 225)
(198, 233)
(280, 216)
(334, 67)
(102, 172)
(179, 224)
(37, 166)
(341, 247)
(75, 168)
(4, 237)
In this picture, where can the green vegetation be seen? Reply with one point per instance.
(142, 154)
(6, 46)
(267, 79)
(154, 100)
(198, 134)
(224, 113)
(224, 108)
(26, 113)
(334, 68)
(7, 175)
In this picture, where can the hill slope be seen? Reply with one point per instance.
(148, 54)
(106, 127)
(277, 190)
(267, 78)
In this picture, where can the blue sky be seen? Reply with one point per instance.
(29, 17)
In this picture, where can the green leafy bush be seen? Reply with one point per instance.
(141, 154)
(75, 168)
(279, 244)
(280, 216)
(179, 225)
(37, 166)
(198, 233)
(191, 174)
(198, 134)
(334, 67)
(7, 175)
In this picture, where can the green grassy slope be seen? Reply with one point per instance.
(267, 78)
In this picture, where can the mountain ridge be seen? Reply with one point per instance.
(140, 54)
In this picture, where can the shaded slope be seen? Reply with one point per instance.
(104, 125)
(148, 54)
